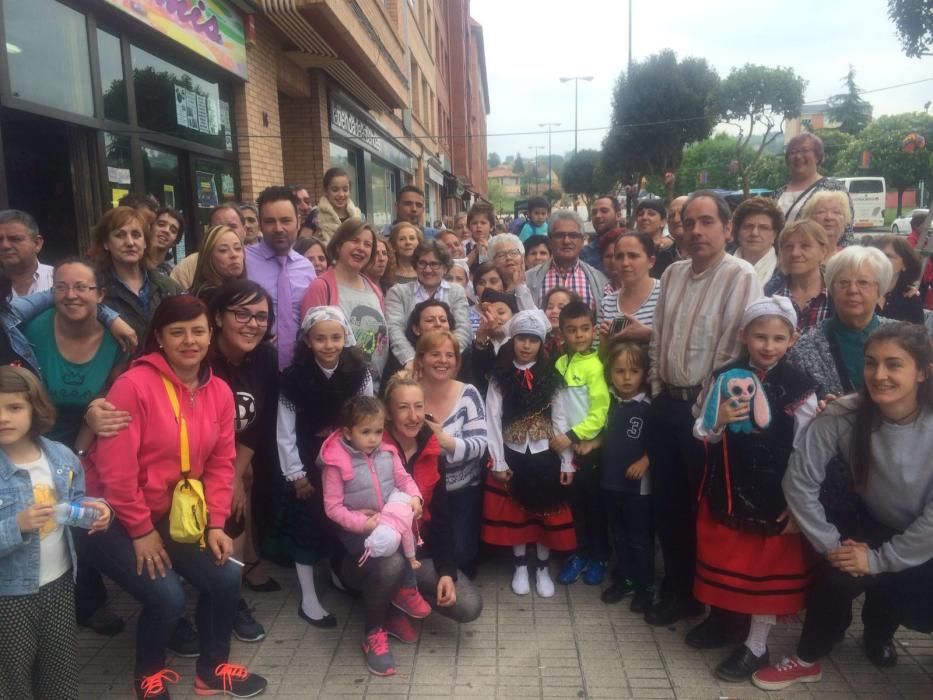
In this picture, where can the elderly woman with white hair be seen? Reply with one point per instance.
(432, 262)
(832, 211)
(507, 253)
(832, 352)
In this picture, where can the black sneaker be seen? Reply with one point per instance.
(231, 680)
(741, 665)
(641, 601)
(245, 627)
(617, 591)
(104, 622)
(184, 641)
(152, 687)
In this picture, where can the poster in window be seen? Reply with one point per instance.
(192, 109)
(168, 195)
(181, 105)
(225, 123)
(226, 185)
(207, 190)
(203, 125)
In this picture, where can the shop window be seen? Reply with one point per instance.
(117, 150)
(384, 186)
(215, 183)
(177, 102)
(112, 82)
(47, 48)
(341, 157)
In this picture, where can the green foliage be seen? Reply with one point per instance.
(913, 20)
(884, 138)
(768, 173)
(757, 100)
(712, 156)
(497, 196)
(583, 175)
(493, 160)
(518, 165)
(657, 107)
(835, 143)
(848, 108)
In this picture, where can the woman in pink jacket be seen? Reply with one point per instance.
(136, 471)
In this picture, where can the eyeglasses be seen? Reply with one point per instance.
(429, 265)
(861, 285)
(79, 288)
(800, 151)
(503, 254)
(244, 317)
(575, 235)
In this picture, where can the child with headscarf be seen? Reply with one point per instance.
(526, 495)
(327, 371)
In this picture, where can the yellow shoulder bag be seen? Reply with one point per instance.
(188, 518)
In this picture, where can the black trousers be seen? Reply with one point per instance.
(677, 460)
(631, 531)
(891, 599)
(589, 510)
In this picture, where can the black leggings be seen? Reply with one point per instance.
(378, 579)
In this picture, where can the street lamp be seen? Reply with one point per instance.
(576, 83)
(536, 149)
(549, 125)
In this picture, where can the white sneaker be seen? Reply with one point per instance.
(520, 585)
(544, 586)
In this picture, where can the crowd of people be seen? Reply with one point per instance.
(390, 406)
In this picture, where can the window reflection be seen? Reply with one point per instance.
(112, 82)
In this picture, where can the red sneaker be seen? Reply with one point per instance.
(410, 602)
(786, 673)
(401, 627)
(379, 658)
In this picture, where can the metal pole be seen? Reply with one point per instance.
(549, 160)
(576, 85)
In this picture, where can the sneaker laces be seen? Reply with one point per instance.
(154, 685)
(787, 664)
(378, 642)
(231, 672)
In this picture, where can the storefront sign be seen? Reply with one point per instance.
(435, 175)
(210, 28)
(354, 126)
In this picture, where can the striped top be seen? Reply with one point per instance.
(697, 320)
(467, 425)
(609, 306)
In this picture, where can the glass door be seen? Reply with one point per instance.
(162, 179)
(214, 183)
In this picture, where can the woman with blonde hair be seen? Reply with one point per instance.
(405, 238)
(119, 242)
(220, 259)
(802, 248)
(832, 211)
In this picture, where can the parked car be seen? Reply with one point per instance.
(902, 225)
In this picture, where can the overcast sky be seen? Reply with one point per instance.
(530, 44)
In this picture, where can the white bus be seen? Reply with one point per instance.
(868, 199)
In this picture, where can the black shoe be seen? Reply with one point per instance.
(641, 601)
(184, 641)
(153, 687)
(718, 630)
(881, 653)
(104, 622)
(617, 591)
(741, 664)
(245, 627)
(324, 623)
(670, 610)
(270, 585)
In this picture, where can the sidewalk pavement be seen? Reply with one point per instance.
(568, 646)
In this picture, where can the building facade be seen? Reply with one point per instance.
(197, 103)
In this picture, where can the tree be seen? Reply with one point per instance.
(493, 160)
(518, 165)
(835, 143)
(757, 98)
(657, 107)
(583, 175)
(502, 203)
(913, 20)
(848, 108)
(886, 140)
(706, 164)
(769, 172)
(509, 160)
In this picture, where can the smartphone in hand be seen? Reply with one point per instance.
(618, 325)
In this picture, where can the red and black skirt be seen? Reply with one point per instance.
(749, 572)
(532, 507)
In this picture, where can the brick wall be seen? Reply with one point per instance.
(256, 114)
(305, 134)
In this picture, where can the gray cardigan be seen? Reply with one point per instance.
(534, 278)
(898, 493)
(400, 301)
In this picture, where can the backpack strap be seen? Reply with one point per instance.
(182, 424)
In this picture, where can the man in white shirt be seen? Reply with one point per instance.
(20, 243)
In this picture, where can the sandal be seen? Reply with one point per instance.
(270, 585)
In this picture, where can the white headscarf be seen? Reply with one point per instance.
(327, 313)
(529, 322)
(770, 306)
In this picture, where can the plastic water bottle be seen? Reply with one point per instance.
(76, 515)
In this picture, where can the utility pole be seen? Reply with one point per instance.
(549, 125)
(576, 83)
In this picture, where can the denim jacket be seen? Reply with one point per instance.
(23, 309)
(19, 552)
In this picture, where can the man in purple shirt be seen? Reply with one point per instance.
(284, 273)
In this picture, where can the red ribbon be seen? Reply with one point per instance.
(528, 377)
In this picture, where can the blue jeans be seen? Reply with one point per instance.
(465, 507)
(163, 600)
